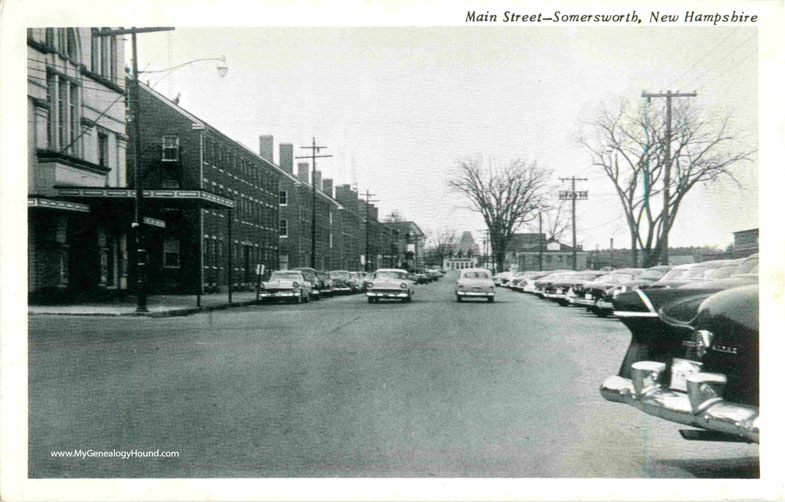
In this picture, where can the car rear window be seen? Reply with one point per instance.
(390, 275)
(476, 275)
(286, 276)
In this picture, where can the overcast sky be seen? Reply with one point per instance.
(399, 107)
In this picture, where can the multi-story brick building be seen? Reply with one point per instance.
(76, 139)
(222, 241)
(409, 243)
(295, 202)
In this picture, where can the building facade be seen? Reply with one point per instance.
(464, 254)
(76, 139)
(222, 237)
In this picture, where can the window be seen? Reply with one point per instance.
(171, 149)
(171, 253)
(94, 51)
(70, 47)
(112, 57)
(103, 149)
(284, 198)
(63, 126)
(284, 229)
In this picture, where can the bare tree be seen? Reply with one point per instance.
(557, 220)
(505, 197)
(629, 146)
(441, 243)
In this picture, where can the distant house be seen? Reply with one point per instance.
(555, 256)
(465, 254)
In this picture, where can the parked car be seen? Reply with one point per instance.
(529, 283)
(703, 371)
(365, 277)
(340, 280)
(475, 283)
(541, 284)
(595, 293)
(310, 276)
(563, 291)
(685, 274)
(643, 280)
(326, 288)
(390, 283)
(355, 282)
(286, 285)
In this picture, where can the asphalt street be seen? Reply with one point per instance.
(341, 388)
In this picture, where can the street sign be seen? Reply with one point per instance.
(260, 269)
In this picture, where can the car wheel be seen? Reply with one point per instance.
(408, 299)
(602, 313)
(458, 298)
(370, 300)
(490, 299)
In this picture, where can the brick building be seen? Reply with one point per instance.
(233, 229)
(76, 140)
(295, 203)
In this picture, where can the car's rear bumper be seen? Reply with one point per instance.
(483, 294)
(278, 294)
(584, 302)
(687, 408)
(388, 294)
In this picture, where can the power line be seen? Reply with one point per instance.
(727, 55)
(704, 57)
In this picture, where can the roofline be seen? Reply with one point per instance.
(194, 118)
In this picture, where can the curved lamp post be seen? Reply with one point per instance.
(221, 67)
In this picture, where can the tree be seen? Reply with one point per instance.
(557, 220)
(506, 198)
(440, 244)
(394, 217)
(629, 146)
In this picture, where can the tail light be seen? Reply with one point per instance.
(403, 285)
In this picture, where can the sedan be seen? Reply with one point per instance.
(475, 283)
(392, 283)
(286, 285)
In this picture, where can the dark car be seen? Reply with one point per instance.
(592, 294)
(310, 275)
(341, 280)
(326, 288)
(562, 289)
(701, 369)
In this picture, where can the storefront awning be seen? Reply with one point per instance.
(174, 198)
(63, 205)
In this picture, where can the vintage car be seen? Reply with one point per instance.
(563, 290)
(309, 275)
(592, 294)
(643, 280)
(530, 279)
(355, 282)
(340, 280)
(686, 274)
(475, 283)
(326, 288)
(390, 283)
(286, 285)
(542, 284)
(698, 366)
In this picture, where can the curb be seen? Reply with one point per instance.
(176, 312)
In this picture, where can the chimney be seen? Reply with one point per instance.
(266, 147)
(375, 212)
(285, 156)
(327, 185)
(302, 171)
(317, 179)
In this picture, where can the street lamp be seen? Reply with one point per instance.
(221, 67)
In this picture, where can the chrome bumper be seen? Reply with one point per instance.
(584, 302)
(701, 406)
(475, 293)
(387, 294)
(602, 304)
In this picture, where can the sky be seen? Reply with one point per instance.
(398, 108)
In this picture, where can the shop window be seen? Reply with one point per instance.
(170, 149)
(171, 253)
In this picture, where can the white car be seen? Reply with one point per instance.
(286, 285)
(390, 283)
(475, 283)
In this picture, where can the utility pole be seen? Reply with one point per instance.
(539, 240)
(314, 150)
(140, 252)
(666, 193)
(368, 201)
(573, 195)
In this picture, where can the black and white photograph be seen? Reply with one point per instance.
(486, 250)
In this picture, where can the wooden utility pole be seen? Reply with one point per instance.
(314, 150)
(574, 195)
(139, 251)
(368, 201)
(539, 240)
(666, 193)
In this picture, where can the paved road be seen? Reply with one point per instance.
(341, 388)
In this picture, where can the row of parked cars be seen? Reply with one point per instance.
(693, 356)
(303, 284)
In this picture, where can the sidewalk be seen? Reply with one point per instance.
(158, 305)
